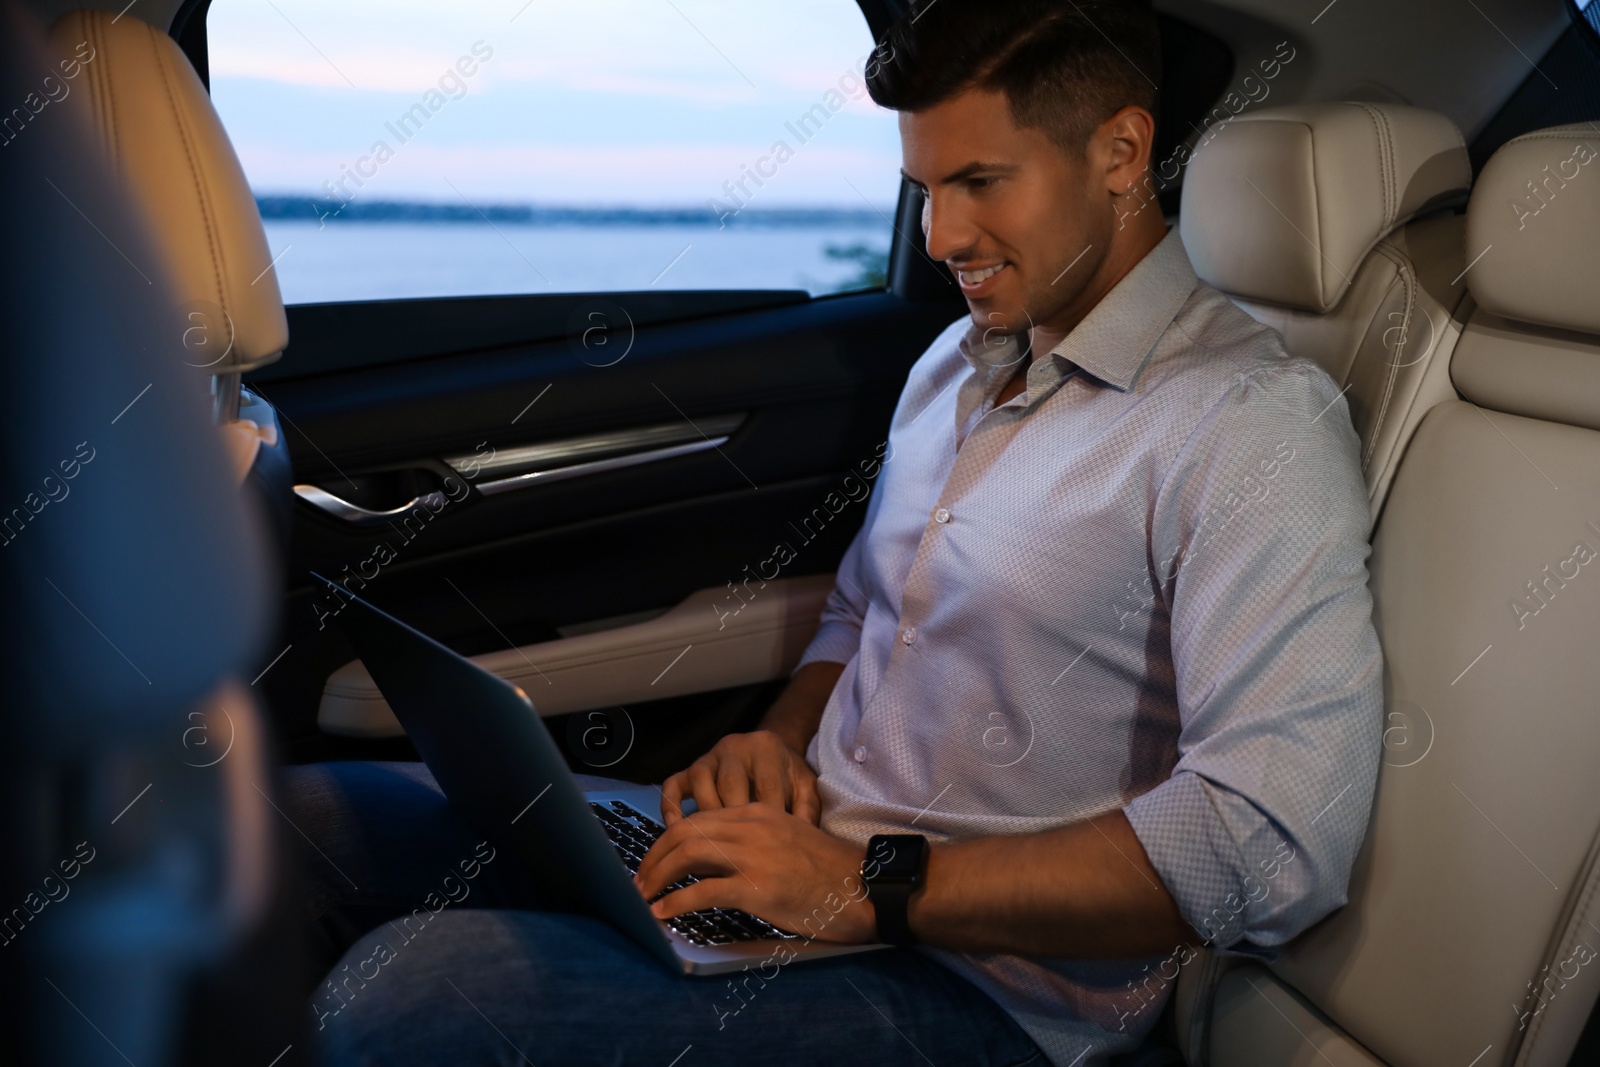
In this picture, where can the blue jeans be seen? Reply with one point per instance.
(449, 958)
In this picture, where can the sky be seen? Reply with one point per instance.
(602, 102)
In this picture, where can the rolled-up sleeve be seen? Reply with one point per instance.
(1259, 539)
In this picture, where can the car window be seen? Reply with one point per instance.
(409, 148)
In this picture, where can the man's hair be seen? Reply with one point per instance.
(1065, 66)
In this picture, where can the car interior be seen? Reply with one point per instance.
(643, 542)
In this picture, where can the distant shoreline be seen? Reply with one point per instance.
(316, 209)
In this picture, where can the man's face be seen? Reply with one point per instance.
(1006, 209)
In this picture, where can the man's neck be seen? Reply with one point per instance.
(1046, 336)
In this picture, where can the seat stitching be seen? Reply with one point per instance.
(1404, 268)
(1391, 208)
(199, 184)
(1386, 176)
(1562, 134)
(1390, 156)
(1407, 274)
(1579, 908)
(1322, 259)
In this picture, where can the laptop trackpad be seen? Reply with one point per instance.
(647, 798)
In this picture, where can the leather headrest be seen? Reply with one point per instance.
(1282, 205)
(165, 143)
(1534, 219)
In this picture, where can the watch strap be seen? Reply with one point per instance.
(891, 891)
(891, 904)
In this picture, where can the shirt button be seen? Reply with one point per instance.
(860, 753)
(942, 515)
(909, 634)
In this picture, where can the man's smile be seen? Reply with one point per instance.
(978, 281)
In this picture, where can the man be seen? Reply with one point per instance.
(1104, 640)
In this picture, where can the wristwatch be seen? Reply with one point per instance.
(894, 868)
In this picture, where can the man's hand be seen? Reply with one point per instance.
(744, 767)
(774, 865)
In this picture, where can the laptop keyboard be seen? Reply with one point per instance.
(632, 832)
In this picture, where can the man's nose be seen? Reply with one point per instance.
(948, 231)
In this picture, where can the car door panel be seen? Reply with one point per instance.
(805, 391)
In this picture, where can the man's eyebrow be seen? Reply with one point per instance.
(966, 172)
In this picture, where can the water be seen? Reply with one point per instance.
(387, 260)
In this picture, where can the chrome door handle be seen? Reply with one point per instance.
(551, 461)
(594, 466)
(355, 514)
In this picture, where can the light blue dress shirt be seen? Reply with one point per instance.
(1139, 584)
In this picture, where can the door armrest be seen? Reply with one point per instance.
(714, 639)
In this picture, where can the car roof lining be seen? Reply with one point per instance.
(1342, 52)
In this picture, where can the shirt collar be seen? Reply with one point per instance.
(1116, 337)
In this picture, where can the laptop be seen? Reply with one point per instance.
(499, 767)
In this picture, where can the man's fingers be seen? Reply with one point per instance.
(771, 782)
(733, 783)
(664, 846)
(677, 861)
(706, 893)
(672, 791)
(807, 805)
(703, 781)
(687, 830)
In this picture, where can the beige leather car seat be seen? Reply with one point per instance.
(1473, 925)
(1300, 215)
(169, 153)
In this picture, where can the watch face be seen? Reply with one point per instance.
(895, 857)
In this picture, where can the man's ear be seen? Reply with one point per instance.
(1125, 141)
